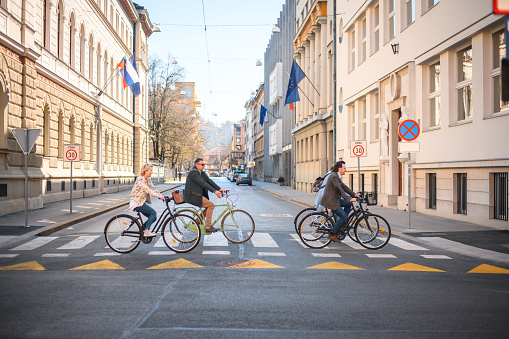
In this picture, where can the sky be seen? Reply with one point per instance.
(232, 50)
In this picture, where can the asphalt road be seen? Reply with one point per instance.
(74, 286)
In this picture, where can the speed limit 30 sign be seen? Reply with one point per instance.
(72, 153)
(358, 148)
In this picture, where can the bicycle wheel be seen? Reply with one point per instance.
(122, 233)
(238, 226)
(314, 228)
(352, 219)
(300, 215)
(372, 231)
(181, 233)
(194, 213)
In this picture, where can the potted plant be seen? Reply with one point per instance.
(281, 181)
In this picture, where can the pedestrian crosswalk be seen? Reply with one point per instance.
(264, 244)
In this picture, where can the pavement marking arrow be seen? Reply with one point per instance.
(27, 266)
(484, 268)
(257, 263)
(179, 263)
(413, 268)
(100, 265)
(334, 265)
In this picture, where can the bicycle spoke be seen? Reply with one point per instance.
(373, 231)
(181, 233)
(122, 233)
(313, 230)
(238, 226)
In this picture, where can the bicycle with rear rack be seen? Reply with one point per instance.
(236, 225)
(181, 233)
(370, 230)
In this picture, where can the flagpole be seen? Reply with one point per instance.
(275, 117)
(108, 81)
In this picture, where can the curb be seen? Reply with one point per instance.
(49, 229)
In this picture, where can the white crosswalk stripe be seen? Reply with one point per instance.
(215, 239)
(263, 240)
(406, 245)
(79, 242)
(33, 244)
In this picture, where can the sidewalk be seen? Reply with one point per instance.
(55, 216)
(452, 235)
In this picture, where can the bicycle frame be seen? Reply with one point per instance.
(162, 218)
(199, 210)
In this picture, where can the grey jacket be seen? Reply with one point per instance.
(333, 188)
(197, 186)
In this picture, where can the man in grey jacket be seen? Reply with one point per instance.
(334, 190)
(196, 192)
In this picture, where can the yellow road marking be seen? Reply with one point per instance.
(334, 265)
(489, 269)
(414, 268)
(100, 265)
(27, 266)
(179, 263)
(255, 264)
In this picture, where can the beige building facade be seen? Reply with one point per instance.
(55, 58)
(313, 130)
(436, 62)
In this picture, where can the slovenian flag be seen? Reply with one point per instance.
(130, 75)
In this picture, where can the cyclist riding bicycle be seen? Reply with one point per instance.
(140, 198)
(333, 188)
(198, 184)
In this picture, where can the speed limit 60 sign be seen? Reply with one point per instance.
(72, 152)
(358, 148)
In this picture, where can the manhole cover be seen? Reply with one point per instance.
(234, 262)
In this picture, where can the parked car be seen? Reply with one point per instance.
(236, 174)
(244, 178)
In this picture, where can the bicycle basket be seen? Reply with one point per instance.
(178, 196)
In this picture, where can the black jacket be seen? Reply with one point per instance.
(197, 186)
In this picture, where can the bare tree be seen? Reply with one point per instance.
(173, 122)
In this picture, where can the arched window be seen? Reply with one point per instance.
(106, 8)
(106, 145)
(99, 65)
(72, 129)
(105, 75)
(83, 141)
(46, 130)
(112, 81)
(3, 116)
(60, 134)
(91, 58)
(82, 50)
(72, 42)
(91, 135)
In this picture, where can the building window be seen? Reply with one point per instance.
(499, 48)
(45, 24)
(363, 41)
(82, 50)
(391, 19)
(461, 193)
(376, 29)
(351, 113)
(429, 4)
(432, 190)
(91, 58)
(74, 185)
(434, 95)
(375, 111)
(362, 119)
(362, 184)
(409, 13)
(84, 184)
(48, 186)
(93, 183)
(351, 180)
(500, 196)
(237, 139)
(72, 42)
(62, 185)
(351, 65)
(3, 190)
(60, 31)
(464, 86)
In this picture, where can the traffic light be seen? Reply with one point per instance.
(505, 80)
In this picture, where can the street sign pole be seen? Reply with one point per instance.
(359, 172)
(409, 189)
(72, 153)
(26, 190)
(70, 200)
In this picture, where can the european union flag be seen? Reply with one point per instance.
(296, 75)
(263, 111)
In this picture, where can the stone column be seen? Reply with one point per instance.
(304, 83)
(323, 63)
(311, 75)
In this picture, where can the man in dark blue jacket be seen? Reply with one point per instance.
(196, 192)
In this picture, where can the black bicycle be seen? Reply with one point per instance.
(372, 231)
(181, 233)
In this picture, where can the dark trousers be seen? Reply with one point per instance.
(149, 212)
(342, 213)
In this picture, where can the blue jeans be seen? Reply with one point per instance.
(342, 214)
(149, 212)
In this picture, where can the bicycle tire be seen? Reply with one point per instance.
(313, 230)
(195, 214)
(181, 233)
(238, 226)
(352, 219)
(300, 215)
(372, 231)
(122, 233)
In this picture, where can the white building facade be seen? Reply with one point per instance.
(436, 62)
